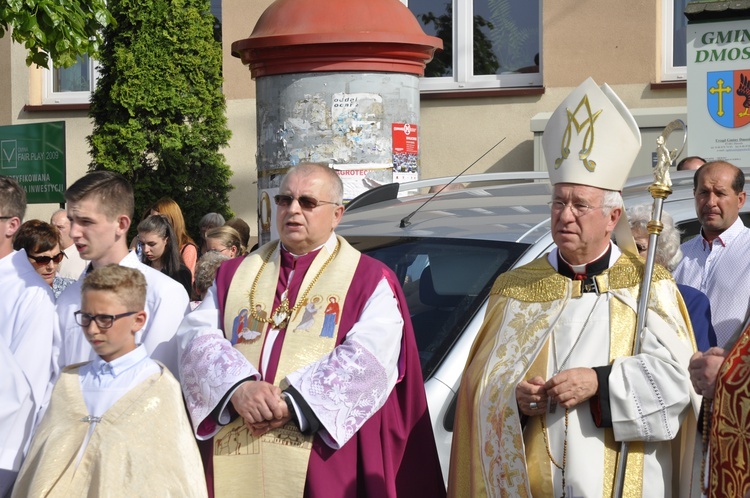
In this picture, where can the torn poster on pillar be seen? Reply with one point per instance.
(405, 141)
(358, 178)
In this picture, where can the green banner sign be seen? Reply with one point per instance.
(34, 155)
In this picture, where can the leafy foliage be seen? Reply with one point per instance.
(158, 109)
(60, 29)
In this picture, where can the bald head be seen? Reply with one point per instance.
(60, 220)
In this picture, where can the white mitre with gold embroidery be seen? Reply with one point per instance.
(591, 139)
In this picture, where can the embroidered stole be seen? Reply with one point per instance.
(621, 343)
(729, 444)
(275, 464)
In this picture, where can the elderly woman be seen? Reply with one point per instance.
(668, 254)
(209, 221)
(205, 272)
(41, 241)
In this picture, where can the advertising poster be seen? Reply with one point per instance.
(358, 178)
(34, 156)
(405, 152)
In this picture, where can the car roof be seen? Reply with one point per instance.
(507, 209)
(497, 212)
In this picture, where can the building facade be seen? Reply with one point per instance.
(506, 63)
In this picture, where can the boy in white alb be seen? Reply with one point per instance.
(115, 426)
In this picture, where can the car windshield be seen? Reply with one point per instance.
(445, 282)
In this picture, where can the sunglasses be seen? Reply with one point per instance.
(305, 201)
(44, 260)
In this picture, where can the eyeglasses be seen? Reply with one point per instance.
(44, 260)
(6, 217)
(577, 208)
(102, 321)
(305, 201)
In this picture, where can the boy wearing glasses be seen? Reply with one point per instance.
(112, 421)
(25, 338)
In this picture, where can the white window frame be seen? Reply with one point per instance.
(49, 96)
(463, 59)
(669, 72)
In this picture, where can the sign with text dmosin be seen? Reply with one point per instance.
(34, 155)
(718, 90)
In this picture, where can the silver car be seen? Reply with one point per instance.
(448, 249)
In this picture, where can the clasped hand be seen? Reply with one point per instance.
(568, 389)
(261, 406)
(704, 368)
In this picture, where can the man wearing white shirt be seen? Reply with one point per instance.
(114, 420)
(324, 410)
(25, 338)
(100, 207)
(716, 262)
(72, 265)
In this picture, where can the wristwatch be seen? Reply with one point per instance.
(290, 406)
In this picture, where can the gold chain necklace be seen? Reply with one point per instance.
(280, 317)
(549, 449)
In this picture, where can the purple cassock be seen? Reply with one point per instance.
(393, 454)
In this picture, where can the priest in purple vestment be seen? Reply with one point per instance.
(334, 408)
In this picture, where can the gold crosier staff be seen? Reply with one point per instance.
(660, 190)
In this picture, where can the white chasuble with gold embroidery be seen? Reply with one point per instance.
(532, 328)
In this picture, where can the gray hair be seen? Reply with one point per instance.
(668, 253)
(63, 211)
(211, 220)
(205, 271)
(612, 199)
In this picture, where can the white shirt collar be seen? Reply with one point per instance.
(121, 364)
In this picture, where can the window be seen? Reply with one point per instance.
(674, 40)
(486, 43)
(71, 85)
(74, 85)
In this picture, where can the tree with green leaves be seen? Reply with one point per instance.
(54, 29)
(158, 109)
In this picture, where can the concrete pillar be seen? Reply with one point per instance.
(337, 82)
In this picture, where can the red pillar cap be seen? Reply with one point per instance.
(301, 36)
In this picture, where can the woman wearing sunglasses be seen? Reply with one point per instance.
(41, 241)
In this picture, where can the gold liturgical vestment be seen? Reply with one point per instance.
(143, 445)
(493, 453)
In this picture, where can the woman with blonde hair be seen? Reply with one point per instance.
(188, 248)
(225, 240)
